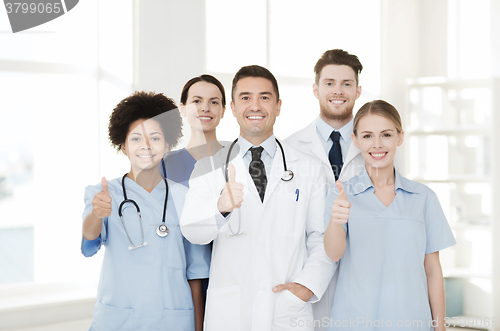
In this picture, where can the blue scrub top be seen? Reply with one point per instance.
(382, 282)
(145, 288)
(178, 166)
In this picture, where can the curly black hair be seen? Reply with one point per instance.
(145, 105)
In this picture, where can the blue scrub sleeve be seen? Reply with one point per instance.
(91, 247)
(197, 260)
(438, 231)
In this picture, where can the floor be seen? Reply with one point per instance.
(79, 325)
(83, 325)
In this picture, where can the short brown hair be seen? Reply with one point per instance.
(378, 107)
(255, 71)
(338, 57)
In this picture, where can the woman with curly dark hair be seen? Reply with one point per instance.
(148, 268)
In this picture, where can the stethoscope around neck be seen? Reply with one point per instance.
(161, 230)
(286, 177)
(287, 174)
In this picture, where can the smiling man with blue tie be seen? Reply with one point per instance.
(263, 211)
(329, 136)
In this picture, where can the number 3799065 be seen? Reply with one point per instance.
(23, 7)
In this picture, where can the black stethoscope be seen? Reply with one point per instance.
(287, 174)
(161, 230)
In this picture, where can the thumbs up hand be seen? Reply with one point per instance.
(232, 194)
(341, 206)
(102, 201)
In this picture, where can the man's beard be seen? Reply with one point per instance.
(345, 115)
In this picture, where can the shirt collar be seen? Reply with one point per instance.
(269, 145)
(346, 131)
(325, 130)
(362, 182)
(404, 184)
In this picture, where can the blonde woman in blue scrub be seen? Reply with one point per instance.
(150, 276)
(387, 232)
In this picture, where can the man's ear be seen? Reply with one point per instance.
(315, 90)
(232, 108)
(358, 91)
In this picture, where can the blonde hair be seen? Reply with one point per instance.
(378, 107)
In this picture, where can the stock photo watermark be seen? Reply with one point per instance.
(24, 15)
(362, 322)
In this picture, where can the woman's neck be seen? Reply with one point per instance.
(146, 178)
(381, 177)
(203, 144)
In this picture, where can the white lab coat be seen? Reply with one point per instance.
(282, 242)
(307, 141)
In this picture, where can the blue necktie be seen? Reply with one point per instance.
(335, 154)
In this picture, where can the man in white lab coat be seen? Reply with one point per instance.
(329, 136)
(268, 261)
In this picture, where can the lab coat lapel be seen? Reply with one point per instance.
(351, 154)
(243, 176)
(277, 169)
(310, 136)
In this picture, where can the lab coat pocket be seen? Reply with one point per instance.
(223, 308)
(293, 313)
(289, 220)
(179, 320)
(112, 318)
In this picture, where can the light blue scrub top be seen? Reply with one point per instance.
(145, 288)
(382, 282)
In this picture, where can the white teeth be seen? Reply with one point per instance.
(378, 155)
(337, 101)
(145, 156)
(255, 117)
(204, 118)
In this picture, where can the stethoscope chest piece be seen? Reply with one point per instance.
(162, 230)
(287, 175)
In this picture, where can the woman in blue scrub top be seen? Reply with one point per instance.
(387, 232)
(203, 102)
(148, 282)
